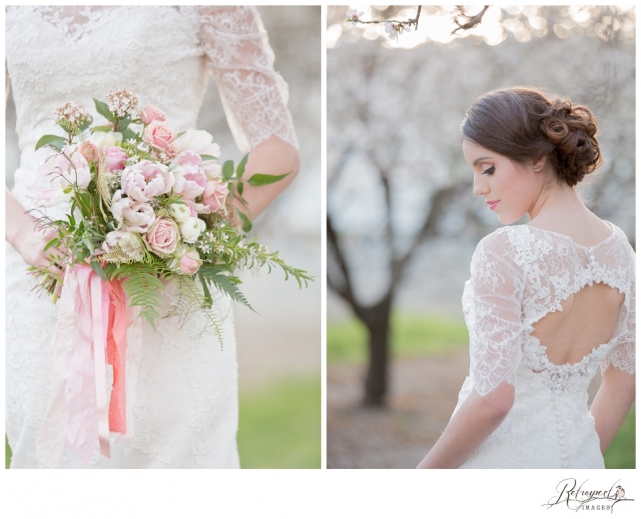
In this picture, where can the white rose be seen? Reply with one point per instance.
(198, 141)
(105, 139)
(179, 212)
(191, 229)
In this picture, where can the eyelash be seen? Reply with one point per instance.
(488, 171)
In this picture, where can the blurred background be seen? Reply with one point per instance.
(402, 222)
(279, 348)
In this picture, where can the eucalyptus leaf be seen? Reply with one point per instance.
(260, 179)
(103, 109)
(55, 141)
(247, 225)
(240, 170)
(228, 170)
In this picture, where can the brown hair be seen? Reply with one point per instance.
(522, 123)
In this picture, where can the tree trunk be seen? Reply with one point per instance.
(378, 324)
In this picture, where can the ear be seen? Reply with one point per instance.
(539, 164)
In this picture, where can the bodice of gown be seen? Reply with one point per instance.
(163, 54)
(519, 275)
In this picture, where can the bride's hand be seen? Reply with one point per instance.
(23, 234)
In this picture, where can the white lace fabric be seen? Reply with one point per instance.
(186, 402)
(519, 275)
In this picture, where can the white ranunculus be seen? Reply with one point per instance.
(179, 212)
(105, 139)
(191, 229)
(198, 141)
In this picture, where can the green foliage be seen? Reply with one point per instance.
(103, 109)
(224, 283)
(247, 225)
(53, 141)
(228, 170)
(411, 335)
(621, 453)
(280, 426)
(259, 179)
(144, 290)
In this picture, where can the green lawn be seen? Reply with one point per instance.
(412, 335)
(621, 453)
(280, 426)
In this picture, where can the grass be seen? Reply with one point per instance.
(621, 452)
(280, 426)
(411, 335)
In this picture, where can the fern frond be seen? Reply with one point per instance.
(145, 290)
(226, 284)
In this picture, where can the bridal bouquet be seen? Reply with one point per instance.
(143, 205)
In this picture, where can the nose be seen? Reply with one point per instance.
(480, 186)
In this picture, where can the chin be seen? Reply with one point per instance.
(507, 219)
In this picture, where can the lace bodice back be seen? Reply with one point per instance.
(163, 54)
(520, 274)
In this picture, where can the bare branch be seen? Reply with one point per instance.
(472, 21)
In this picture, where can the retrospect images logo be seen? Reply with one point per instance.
(582, 497)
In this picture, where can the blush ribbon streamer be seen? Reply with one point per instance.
(92, 331)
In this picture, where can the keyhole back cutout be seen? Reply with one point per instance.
(587, 320)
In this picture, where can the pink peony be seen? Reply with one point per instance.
(162, 237)
(139, 216)
(115, 158)
(152, 113)
(160, 134)
(189, 174)
(145, 180)
(215, 195)
(190, 262)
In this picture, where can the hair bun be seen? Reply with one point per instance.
(572, 130)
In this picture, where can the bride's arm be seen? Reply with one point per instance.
(472, 424)
(496, 290)
(253, 96)
(612, 403)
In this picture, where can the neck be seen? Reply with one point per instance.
(557, 201)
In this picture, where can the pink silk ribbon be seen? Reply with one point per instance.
(93, 321)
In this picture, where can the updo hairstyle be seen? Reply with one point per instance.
(522, 124)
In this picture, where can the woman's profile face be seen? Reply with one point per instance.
(509, 189)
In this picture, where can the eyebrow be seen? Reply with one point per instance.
(479, 160)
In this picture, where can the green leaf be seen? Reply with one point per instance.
(84, 125)
(228, 170)
(260, 179)
(128, 134)
(231, 187)
(102, 129)
(247, 225)
(95, 265)
(240, 188)
(240, 170)
(226, 284)
(207, 157)
(123, 124)
(53, 243)
(208, 301)
(103, 110)
(87, 242)
(51, 140)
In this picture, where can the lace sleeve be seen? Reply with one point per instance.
(623, 355)
(495, 318)
(253, 95)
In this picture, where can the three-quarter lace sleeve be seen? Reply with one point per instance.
(253, 95)
(623, 355)
(494, 319)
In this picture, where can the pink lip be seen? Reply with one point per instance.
(492, 204)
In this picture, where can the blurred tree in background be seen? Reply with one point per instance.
(397, 180)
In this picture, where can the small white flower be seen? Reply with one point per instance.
(191, 229)
(354, 16)
(179, 212)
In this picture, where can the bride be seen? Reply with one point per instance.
(185, 411)
(547, 302)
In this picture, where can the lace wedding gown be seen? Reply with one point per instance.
(519, 275)
(185, 413)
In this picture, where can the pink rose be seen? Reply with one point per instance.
(190, 262)
(88, 151)
(190, 176)
(215, 195)
(152, 113)
(161, 135)
(162, 237)
(145, 180)
(115, 158)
